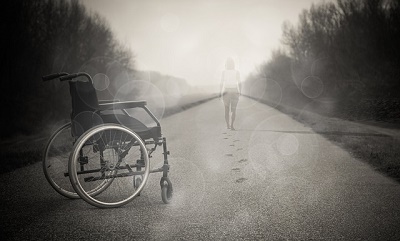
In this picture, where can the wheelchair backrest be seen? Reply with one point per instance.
(84, 106)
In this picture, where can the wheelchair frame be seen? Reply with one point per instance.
(109, 171)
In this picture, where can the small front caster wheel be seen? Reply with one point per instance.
(137, 181)
(166, 190)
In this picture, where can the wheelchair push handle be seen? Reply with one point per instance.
(53, 76)
(73, 76)
(63, 76)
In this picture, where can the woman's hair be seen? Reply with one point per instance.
(229, 64)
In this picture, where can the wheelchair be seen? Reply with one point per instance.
(103, 154)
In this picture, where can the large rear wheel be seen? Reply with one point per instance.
(55, 161)
(110, 153)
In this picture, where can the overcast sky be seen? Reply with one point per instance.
(192, 38)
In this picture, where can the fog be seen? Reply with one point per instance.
(192, 39)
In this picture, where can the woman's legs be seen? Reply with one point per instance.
(227, 115)
(231, 100)
(234, 103)
(227, 103)
(233, 117)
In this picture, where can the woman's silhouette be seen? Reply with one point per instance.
(230, 89)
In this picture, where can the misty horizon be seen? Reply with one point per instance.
(192, 39)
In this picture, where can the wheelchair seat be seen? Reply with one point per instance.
(87, 113)
(134, 124)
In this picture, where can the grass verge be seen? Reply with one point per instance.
(376, 143)
(20, 151)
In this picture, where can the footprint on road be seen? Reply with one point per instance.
(235, 140)
(225, 138)
(240, 180)
(232, 145)
(237, 169)
(242, 160)
(228, 154)
(239, 149)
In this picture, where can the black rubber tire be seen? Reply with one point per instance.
(121, 191)
(166, 191)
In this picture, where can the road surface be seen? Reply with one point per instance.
(271, 179)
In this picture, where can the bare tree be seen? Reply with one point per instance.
(45, 36)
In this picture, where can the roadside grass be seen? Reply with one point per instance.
(380, 149)
(187, 102)
(20, 151)
(380, 152)
(24, 152)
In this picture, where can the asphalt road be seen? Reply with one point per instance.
(271, 179)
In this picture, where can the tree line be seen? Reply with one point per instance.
(343, 52)
(43, 37)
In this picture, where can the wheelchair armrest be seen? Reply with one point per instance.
(107, 101)
(122, 105)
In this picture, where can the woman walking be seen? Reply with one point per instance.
(230, 90)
